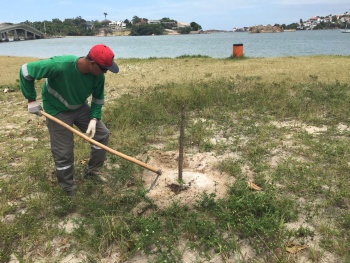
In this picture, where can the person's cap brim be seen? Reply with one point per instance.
(114, 68)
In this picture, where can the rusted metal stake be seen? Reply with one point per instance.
(181, 142)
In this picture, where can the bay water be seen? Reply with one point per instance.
(216, 45)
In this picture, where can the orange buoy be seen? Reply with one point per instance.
(237, 50)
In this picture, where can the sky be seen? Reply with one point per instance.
(210, 14)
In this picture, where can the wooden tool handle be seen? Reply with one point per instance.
(87, 138)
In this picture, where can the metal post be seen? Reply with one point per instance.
(181, 142)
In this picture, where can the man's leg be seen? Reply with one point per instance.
(62, 148)
(97, 155)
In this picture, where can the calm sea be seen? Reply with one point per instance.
(216, 45)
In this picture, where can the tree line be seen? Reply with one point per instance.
(80, 27)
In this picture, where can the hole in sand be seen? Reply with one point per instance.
(175, 188)
(199, 176)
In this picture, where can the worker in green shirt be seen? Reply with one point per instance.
(70, 81)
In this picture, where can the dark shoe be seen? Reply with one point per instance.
(70, 193)
(94, 177)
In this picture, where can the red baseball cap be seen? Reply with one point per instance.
(103, 56)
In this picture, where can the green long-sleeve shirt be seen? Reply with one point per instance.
(65, 88)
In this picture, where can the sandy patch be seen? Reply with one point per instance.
(69, 224)
(296, 124)
(199, 175)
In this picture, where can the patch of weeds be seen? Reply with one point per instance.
(313, 77)
(206, 201)
(329, 235)
(251, 215)
(231, 167)
(200, 230)
(303, 232)
(237, 57)
(10, 235)
(345, 220)
(257, 214)
(62, 205)
(254, 152)
(25, 227)
(192, 56)
(37, 166)
(123, 176)
(148, 230)
(198, 134)
(301, 179)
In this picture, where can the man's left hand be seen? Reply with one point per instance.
(91, 130)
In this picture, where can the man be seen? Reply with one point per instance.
(70, 80)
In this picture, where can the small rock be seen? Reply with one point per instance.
(8, 90)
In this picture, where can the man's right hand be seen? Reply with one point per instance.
(35, 107)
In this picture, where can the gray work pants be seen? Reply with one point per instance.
(62, 144)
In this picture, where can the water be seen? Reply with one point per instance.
(217, 45)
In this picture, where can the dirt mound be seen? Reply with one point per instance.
(199, 176)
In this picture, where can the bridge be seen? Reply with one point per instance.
(18, 32)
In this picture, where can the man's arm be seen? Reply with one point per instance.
(98, 99)
(27, 84)
(30, 72)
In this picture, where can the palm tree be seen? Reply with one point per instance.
(105, 15)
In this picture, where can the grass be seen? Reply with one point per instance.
(270, 112)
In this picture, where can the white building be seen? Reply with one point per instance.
(183, 24)
(117, 25)
(153, 22)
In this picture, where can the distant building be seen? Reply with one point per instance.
(89, 25)
(153, 22)
(183, 24)
(170, 25)
(117, 25)
(143, 21)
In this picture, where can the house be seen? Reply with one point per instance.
(143, 21)
(89, 25)
(183, 24)
(153, 22)
(170, 25)
(117, 25)
(314, 19)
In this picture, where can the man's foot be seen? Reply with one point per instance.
(70, 193)
(95, 177)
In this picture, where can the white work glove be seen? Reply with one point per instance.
(35, 107)
(91, 130)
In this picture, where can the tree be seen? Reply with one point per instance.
(291, 26)
(57, 26)
(147, 30)
(105, 15)
(184, 30)
(127, 23)
(195, 26)
(135, 20)
(167, 19)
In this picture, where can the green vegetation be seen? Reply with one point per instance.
(147, 30)
(290, 137)
(80, 27)
(68, 27)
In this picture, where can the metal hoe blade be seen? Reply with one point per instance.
(153, 183)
